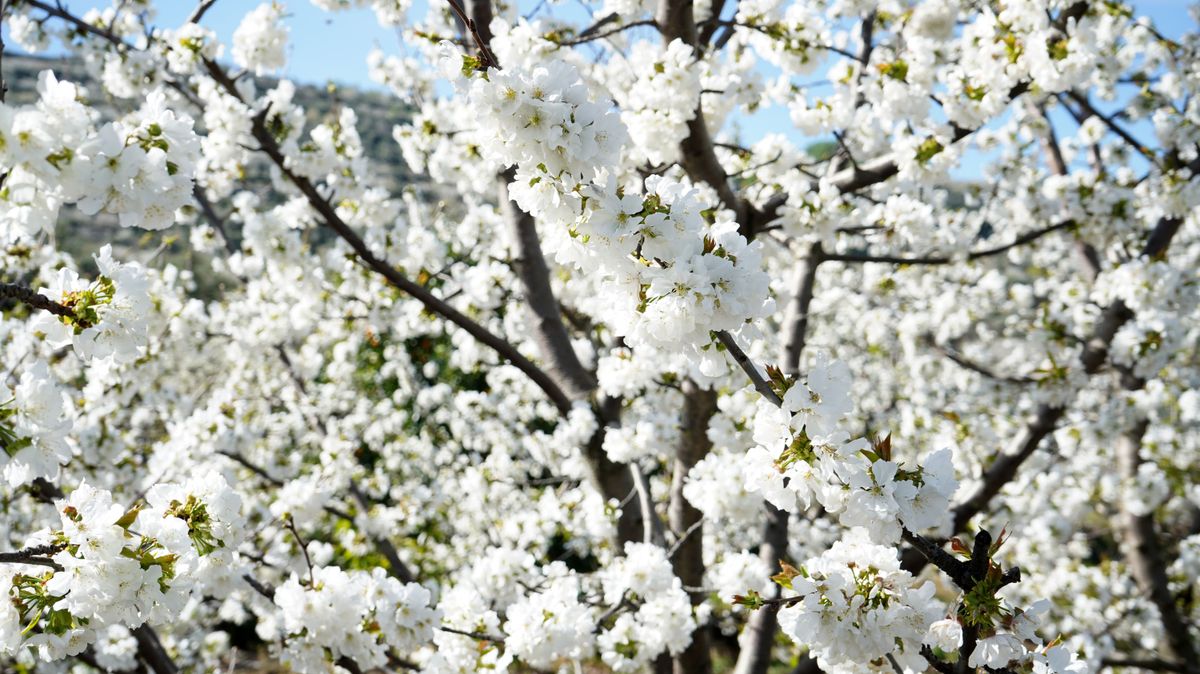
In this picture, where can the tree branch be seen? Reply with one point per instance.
(1143, 554)
(739, 356)
(151, 650)
(549, 331)
(433, 303)
(38, 555)
(27, 296)
(687, 555)
(1025, 238)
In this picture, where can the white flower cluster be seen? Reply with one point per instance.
(543, 121)
(670, 277)
(260, 41)
(354, 614)
(550, 625)
(118, 566)
(1162, 297)
(109, 314)
(139, 168)
(186, 46)
(662, 98)
(857, 605)
(1018, 644)
(802, 455)
(34, 422)
(662, 620)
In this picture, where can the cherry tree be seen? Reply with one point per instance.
(611, 388)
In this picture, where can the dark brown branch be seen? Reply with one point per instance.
(1086, 253)
(554, 343)
(478, 636)
(38, 555)
(27, 296)
(1149, 664)
(1088, 110)
(1095, 354)
(687, 555)
(697, 155)
(479, 29)
(210, 216)
(151, 650)
(739, 356)
(1025, 238)
(3, 84)
(200, 11)
(586, 37)
(954, 356)
(758, 636)
(434, 304)
(261, 588)
(1144, 555)
(880, 169)
(396, 565)
(797, 312)
(59, 12)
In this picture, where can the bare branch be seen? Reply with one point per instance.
(586, 36)
(1025, 238)
(27, 296)
(739, 356)
(151, 650)
(687, 554)
(38, 555)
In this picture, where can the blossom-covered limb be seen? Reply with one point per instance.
(1093, 358)
(1144, 549)
(758, 637)
(1088, 256)
(553, 340)
(698, 156)
(329, 215)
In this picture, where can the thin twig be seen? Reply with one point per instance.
(739, 356)
(478, 636)
(291, 526)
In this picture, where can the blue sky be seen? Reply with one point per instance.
(328, 46)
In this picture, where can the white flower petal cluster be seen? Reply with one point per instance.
(119, 567)
(662, 621)
(658, 97)
(35, 420)
(260, 41)
(355, 614)
(188, 45)
(802, 456)
(856, 605)
(551, 625)
(139, 168)
(672, 278)
(109, 318)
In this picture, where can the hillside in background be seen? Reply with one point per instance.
(81, 235)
